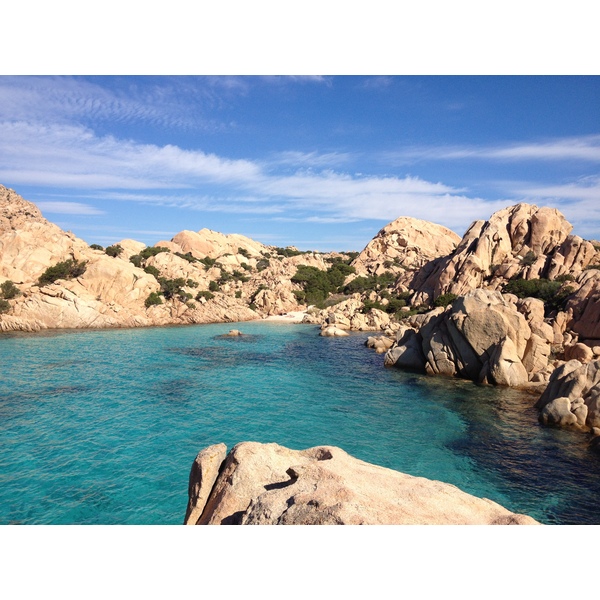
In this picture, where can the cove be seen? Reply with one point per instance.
(102, 426)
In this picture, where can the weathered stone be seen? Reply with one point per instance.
(579, 352)
(270, 484)
(203, 475)
(332, 331)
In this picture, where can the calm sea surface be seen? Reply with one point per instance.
(103, 426)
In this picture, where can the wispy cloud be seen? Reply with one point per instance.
(68, 208)
(298, 188)
(584, 148)
(312, 159)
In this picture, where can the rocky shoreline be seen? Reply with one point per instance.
(514, 302)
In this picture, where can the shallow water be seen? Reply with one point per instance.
(103, 426)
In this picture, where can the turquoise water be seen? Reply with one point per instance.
(103, 426)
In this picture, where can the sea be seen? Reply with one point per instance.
(102, 426)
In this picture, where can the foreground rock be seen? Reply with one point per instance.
(268, 484)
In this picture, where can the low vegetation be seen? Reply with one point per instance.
(8, 290)
(552, 293)
(139, 260)
(114, 251)
(445, 299)
(68, 269)
(318, 284)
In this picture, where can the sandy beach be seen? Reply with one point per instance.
(294, 316)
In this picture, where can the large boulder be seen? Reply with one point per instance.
(268, 484)
(482, 336)
(572, 397)
(405, 244)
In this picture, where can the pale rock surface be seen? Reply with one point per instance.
(580, 352)
(405, 244)
(481, 336)
(584, 306)
(262, 484)
(573, 388)
(493, 251)
(203, 475)
(332, 331)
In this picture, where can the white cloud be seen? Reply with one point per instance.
(75, 157)
(68, 208)
(584, 148)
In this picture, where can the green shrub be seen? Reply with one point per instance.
(237, 276)
(549, 292)
(592, 267)
(246, 266)
(152, 271)
(67, 269)
(4, 306)
(114, 251)
(153, 299)
(187, 256)
(287, 252)
(238, 294)
(243, 252)
(9, 290)
(171, 288)
(445, 299)
(262, 264)
(370, 283)
(565, 277)
(191, 283)
(152, 251)
(204, 294)
(96, 247)
(136, 260)
(318, 284)
(529, 258)
(213, 286)
(207, 262)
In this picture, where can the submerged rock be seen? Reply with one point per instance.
(268, 484)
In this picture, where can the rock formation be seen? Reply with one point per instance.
(483, 336)
(572, 398)
(252, 280)
(405, 244)
(521, 241)
(267, 484)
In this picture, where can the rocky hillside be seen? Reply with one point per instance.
(268, 484)
(52, 279)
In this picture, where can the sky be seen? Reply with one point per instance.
(318, 162)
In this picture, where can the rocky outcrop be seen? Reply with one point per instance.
(483, 336)
(405, 244)
(349, 314)
(268, 484)
(584, 307)
(253, 280)
(521, 241)
(572, 398)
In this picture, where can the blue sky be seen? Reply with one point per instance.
(317, 162)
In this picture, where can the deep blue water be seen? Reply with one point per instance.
(103, 426)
